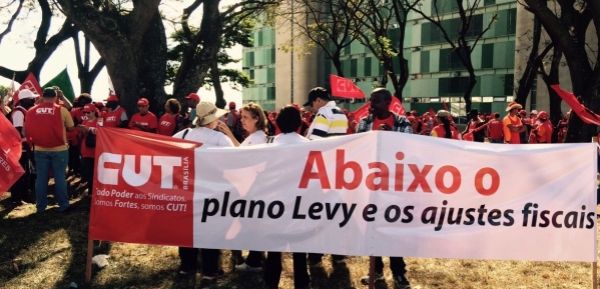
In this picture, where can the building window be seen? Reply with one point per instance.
(444, 7)
(353, 67)
(509, 84)
(449, 60)
(249, 59)
(270, 93)
(271, 75)
(489, 2)
(367, 66)
(425, 61)
(487, 55)
(453, 85)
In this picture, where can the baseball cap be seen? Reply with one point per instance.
(89, 107)
(26, 93)
(193, 96)
(143, 102)
(317, 92)
(112, 97)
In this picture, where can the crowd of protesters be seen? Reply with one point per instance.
(58, 141)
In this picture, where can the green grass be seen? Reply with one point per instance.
(49, 251)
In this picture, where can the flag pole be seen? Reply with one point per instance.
(88, 260)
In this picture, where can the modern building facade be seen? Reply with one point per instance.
(437, 78)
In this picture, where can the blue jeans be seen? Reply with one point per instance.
(58, 162)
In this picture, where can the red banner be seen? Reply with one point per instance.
(30, 83)
(583, 112)
(395, 107)
(10, 146)
(143, 188)
(344, 88)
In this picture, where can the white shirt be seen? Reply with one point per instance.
(257, 137)
(18, 118)
(206, 136)
(289, 138)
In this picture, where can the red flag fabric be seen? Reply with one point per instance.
(142, 180)
(10, 153)
(30, 83)
(344, 88)
(585, 114)
(395, 107)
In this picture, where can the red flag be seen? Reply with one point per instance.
(344, 88)
(10, 153)
(583, 112)
(395, 107)
(30, 83)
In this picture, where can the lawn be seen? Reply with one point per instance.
(48, 251)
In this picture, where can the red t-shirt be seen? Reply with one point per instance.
(88, 152)
(113, 118)
(44, 125)
(495, 130)
(167, 124)
(149, 120)
(379, 124)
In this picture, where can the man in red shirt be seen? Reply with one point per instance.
(542, 129)
(46, 128)
(494, 129)
(144, 120)
(115, 115)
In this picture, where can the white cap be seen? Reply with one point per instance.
(26, 93)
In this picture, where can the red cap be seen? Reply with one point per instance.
(89, 107)
(112, 97)
(193, 96)
(143, 102)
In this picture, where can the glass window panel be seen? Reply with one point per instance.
(476, 98)
(425, 61)
(353, 67)
(487, 55)
(456, 99)
(488, 99)
(367, 67)
(434, 99)
(499, 99)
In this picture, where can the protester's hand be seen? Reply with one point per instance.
(222, 127)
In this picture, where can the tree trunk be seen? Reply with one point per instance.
(216, 81)
(529, 74)
(195, 65)
(337, 64)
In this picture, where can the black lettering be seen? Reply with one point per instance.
(296, 214)
(591, 219)
(408, 214)
(238, 208)
(392, 213)
(545, 221)
(508, 216)
(275, 209)
(313, 211)
(554, 219)
(432, 211)
(470, 218)
(225, 204)
(493, 216)
(368, 211)
(210, 208)
(261, 208)
(571, 220)
(482, 210)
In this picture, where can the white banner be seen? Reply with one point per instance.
(394, 194)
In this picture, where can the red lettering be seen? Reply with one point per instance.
(495, 181)
(383, 175)
(314, 158)
(439, 179)
(399, 175)
(419, 178)
(340, 169)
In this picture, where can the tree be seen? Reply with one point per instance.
(463, 41)
(199, 48)
(568, 33)
(326, 24)
(87, 75)
(44, 46)
(376, 26)
(131, 40)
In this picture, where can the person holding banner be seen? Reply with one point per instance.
(207, 123)
(254, 122)
(381, 118)
(329, 121)
(288, 120)
(46, 128)
(144, 120)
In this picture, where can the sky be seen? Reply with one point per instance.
(16, 51)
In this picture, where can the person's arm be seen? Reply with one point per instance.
(67, 103)
(224, 128)
(67, 119)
